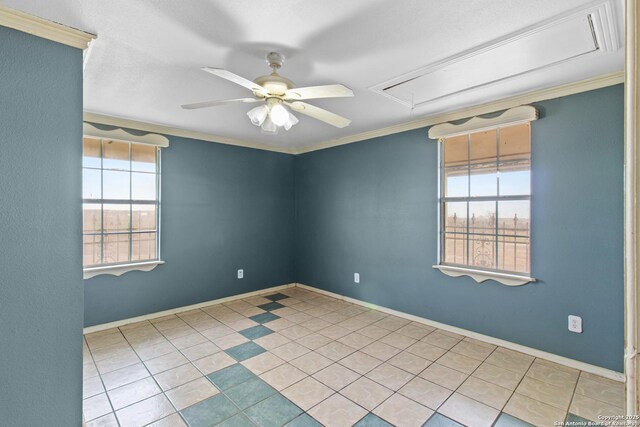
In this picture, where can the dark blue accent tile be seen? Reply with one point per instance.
(238, 420)
(276, 297)
(275, 411)
(264, 317)
(506, 420)
(371, 420)
(245, 351)
(304, 420)
(230, 376)
(581, 421)
(209, 412)
(271, 306)
(250, 392)
(256, 332)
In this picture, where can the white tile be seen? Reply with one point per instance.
(546, 393)
(366, 393)
(283, 376)
(610, 393)
(499, 376)
(165, 362)
(380, 350)
(459, 362)
(485, 392)
(337, 411)
(511, 360)
(96, 406)
(468, 412)
(307, 393)
(592, 409)
(92, 386)
(360, 362)
(409, 362)
(403, 412)
(191, 393)
(177, 376)
(311, 362)
(390, 376)
(214, 362)
(145, 412)
(263, 362)
(271, 341)
(335, 350)
(336, 376)
(425, 392)
(446, 377)
(533, 411)
(290, 351)
(134, 392)
(200, 350)
(125, 376)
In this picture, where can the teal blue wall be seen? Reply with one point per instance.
(367, 207)
(40, 224)
(223, 208)
(371, 207)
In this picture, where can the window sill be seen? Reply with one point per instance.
(120, 269)
(482, 275)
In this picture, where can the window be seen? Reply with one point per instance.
(120, 191)
(485, 200)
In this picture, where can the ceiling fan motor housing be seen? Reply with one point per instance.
(274, 83)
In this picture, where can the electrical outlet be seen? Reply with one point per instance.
(241, 274)
(575, 324)
(356, 277)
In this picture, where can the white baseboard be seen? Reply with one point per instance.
(607, 373)
(118, 323)
(597, 370)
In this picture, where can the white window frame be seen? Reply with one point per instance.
(514, 116)
(117, 269)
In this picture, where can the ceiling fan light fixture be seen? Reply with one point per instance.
(276, 92)
(269, 127)
(278, 114)
(258, 115)
(293, 120)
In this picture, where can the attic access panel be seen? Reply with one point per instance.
(555, 41)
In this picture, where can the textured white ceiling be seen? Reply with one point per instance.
(145, 62)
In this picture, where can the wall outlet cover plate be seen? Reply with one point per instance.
(575, 324)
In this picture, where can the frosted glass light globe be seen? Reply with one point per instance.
(258, 114)
(279, 115)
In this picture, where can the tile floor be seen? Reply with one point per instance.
(299, 358)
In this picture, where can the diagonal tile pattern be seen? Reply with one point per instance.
(298, 358)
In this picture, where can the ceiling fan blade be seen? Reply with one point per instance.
(319, 114)
(228, 75)
(314, 92)
(222, 102)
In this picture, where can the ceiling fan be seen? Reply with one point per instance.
(275, 91)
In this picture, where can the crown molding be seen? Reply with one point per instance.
(490, 107)
(184, 133)
(43, 28)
